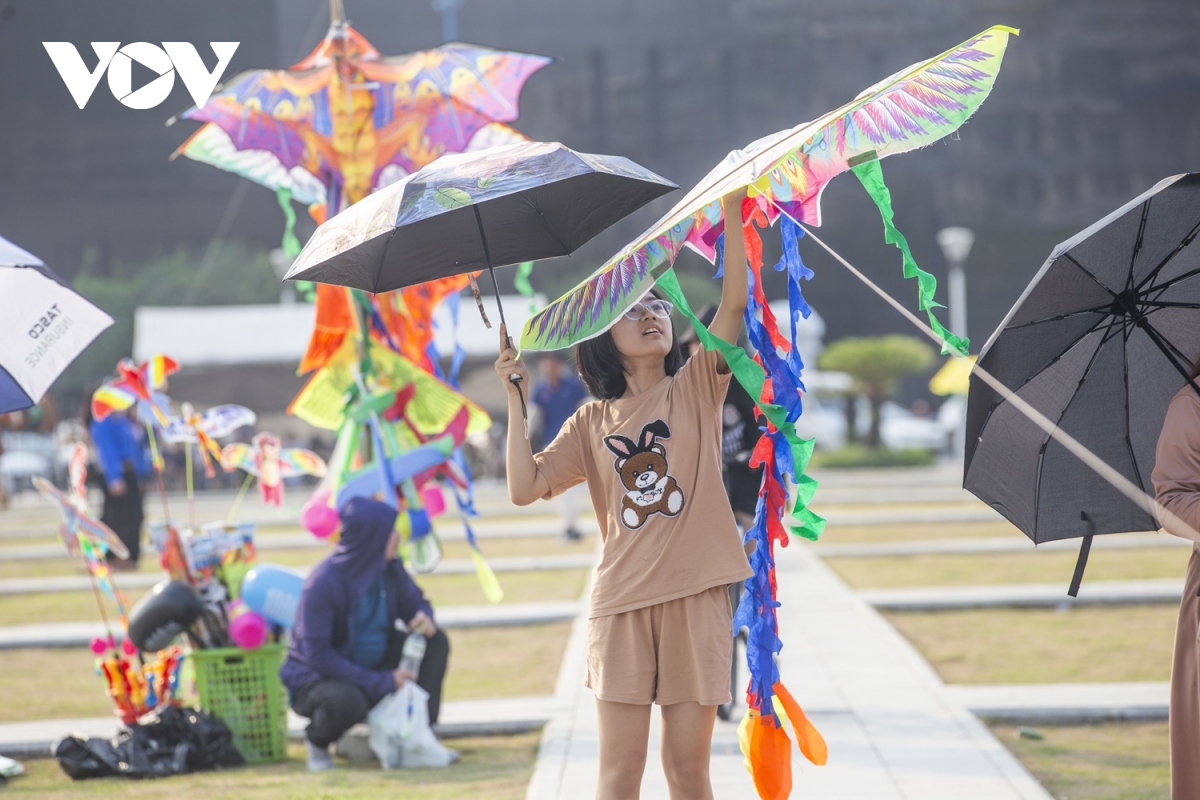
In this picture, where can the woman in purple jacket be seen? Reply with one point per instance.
(346, 645)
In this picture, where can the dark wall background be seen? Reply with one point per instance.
(1097, 100)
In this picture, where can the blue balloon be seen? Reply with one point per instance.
(273, 592)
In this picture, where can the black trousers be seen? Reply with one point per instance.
(335, 706)
(124, 513)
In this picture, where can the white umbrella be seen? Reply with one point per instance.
(44, 325)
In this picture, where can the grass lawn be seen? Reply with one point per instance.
(497, 768)
(1083, 645)
(1114, 761)
(854, 534)
(484, 662)
(443, 590)
(1031, 567)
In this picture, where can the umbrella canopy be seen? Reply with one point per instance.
(1100, 342)
(470, 211)
(44, 325)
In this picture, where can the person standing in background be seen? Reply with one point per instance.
(740, 433)
(1176, 480)
(558, 394)
(123, 460)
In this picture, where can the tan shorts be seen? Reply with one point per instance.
(673, 652)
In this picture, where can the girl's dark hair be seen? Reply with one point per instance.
(601, 369)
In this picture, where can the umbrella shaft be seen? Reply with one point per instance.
(491, 269)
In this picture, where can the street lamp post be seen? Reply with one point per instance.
(449, 10)
(956, 246)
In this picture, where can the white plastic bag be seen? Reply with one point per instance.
(400, 734)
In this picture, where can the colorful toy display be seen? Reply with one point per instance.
(270, 462)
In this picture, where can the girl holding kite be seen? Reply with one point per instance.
(649, 449)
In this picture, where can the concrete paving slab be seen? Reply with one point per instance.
(1028, 595)
(79, 634)
(144, 580)
(459, 718)
(990, 545)
(1066, 703)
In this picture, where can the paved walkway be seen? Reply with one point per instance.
(1066, 703)
(458, 718)
(79, 634)
(1025, 595)
(894, 730)
(994, 545)
(51, 584)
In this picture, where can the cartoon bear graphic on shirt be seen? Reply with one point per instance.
(643, 469)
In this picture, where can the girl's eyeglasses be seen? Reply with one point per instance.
(659, 308)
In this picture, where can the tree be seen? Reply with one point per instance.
(226, 273)
(877, 364)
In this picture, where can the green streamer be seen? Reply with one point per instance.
(290, 244)
(870, 175)
(523, 286)
(751, 376)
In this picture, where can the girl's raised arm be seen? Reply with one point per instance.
(525, 483)
(735, 285)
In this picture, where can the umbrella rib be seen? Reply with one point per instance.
(1108, 335)
(1163, 286)
(1137, 473)
(1097, 310)
(1187, 240)
(1166, 347)
(542, 219)
(1157, 304)
(1137, 244)
(1095, 280)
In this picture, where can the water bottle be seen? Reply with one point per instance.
(412, 653)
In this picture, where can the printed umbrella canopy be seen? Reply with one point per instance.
(44, 325)
(467, 211)
(1100, 342)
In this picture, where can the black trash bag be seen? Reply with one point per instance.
(174, 741)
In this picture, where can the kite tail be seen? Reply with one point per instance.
(464, 498)
(870, 175)
(774, 381)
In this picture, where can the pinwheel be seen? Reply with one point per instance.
(267, 459)
(205, 428)
(83, 533)
(786, 173)
(137, 385)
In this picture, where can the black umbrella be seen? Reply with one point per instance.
(470, 211)
(1100, 342)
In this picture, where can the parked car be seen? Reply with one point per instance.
(25, 455)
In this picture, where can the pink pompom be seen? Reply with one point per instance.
(99, 645)
(128, 647)
(433, 499)
(317, 517)
(247, 629)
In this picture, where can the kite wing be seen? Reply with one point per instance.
(156, 369)
(295, 461)
(239, 455)
(224, 420)
(109, 398)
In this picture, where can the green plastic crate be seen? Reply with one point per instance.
(242, 687)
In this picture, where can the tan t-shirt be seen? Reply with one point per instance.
(653, 467)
